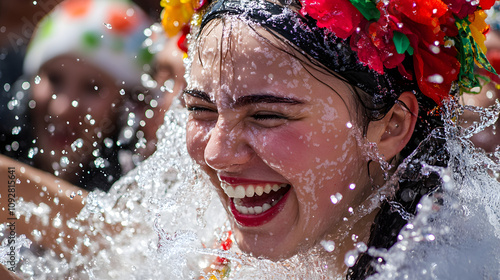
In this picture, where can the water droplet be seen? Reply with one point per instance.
(350, 258)
(108, 26)
(15, 145)
(328, 245)
(16, 130)
(153, 103)
(32, 104)
(108, 142)
(64, 161)
(128, 133)
(435, 49)
(430, 237)
(348, 124)
(12, 104)
(51, 128)
(361, 246)
(100, 162)
(32, 152)
(489, 94)
(168, 86)
(122, 92)
(56, 222)
(149, 113)
(336, 198)
(74, 103)
(36, 233)
(446, 178)
(26, 85)
(352, 186)
(37, 80)
(77, 144)
(436, 78)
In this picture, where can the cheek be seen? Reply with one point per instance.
(196, 140)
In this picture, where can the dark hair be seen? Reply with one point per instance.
(375, 94)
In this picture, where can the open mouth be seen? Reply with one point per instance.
(256, 204)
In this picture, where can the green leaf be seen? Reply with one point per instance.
(402, 43)
(367, 8)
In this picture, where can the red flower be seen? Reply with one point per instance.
(435, 73)
(425, 11)
(375, 47)
(120, 22)
(435, 66)
(486, 4)
(461, 8)
(339, 16)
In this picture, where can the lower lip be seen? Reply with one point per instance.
(260, 219)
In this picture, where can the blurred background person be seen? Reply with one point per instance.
(78, 112)
(489, 138)
(17, 24)
(167, 80)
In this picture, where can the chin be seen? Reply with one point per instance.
(264, 245)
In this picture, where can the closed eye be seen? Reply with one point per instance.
(193, 108)
(268, 116)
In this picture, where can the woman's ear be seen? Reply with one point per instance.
(392, 133)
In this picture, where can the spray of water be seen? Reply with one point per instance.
(163, 221)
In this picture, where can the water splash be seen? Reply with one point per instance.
(165, 222)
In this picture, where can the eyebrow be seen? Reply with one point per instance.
(248, 99)
(198, 94)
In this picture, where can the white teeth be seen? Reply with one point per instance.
(268, 188)
(266, 207)
(241, 191)
(249, 192)
(253, 210)
(259, 190)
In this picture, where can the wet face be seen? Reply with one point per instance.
(279, 145)
(74, 101)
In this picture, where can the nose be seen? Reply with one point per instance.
(60, 106)
(227, 148)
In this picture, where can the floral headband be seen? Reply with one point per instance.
(444, 39)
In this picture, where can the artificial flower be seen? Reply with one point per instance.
(340, 16)
(375, 47)
(461, 8)
(435, 74)
(77, 8)
(177, 13)
(120, 22)
(478, 28)
(486, 4)
(425, 12)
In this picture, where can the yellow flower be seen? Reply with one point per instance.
(478, 27)
(176, 14)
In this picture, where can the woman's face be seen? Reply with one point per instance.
(74, 100)
(279, 145)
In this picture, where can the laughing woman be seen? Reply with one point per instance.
(301, 111)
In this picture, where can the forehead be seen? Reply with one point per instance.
(235, 57)
(74, 67)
